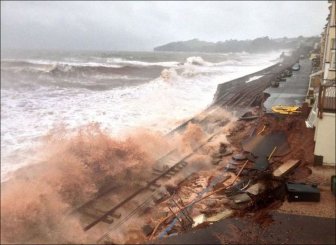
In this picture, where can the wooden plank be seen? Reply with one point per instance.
(286, 167)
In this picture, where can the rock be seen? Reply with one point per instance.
(226, 153)
(215, 162)
(171, 189)
(222, 215)
(233, 162)
(211, 203)
(199, 219)
(241, 198)
(222, 148)
(256, 188)
(239, 157)
(230, 167)
(147, 229)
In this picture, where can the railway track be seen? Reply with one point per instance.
(108, 213)
(108, 209)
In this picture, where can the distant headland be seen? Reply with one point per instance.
(261, 44)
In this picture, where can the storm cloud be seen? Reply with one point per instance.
(144, 25)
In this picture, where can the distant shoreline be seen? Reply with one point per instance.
(267, 73)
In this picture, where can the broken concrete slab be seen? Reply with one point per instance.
(256, 188)
(241, 198)
(239, 157)
(234, 162)
(237, 188)
(230, 167)
(199, 219)
(263, 145)
(226, 153)
(147, 230)
(222, 147)
(286, 167)
(222, 215)
(261, 163)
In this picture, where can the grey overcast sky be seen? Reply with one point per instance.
(144, 25)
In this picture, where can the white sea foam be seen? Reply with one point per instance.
(121, 61)
(177, 94)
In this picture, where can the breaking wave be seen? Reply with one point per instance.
(71, 167)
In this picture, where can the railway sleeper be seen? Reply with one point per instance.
(108, 220)
(116, 215)
(173, 172)
(156, 185)
(160, 171)
(158, 197)
(168, 175)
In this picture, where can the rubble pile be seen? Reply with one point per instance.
(266, 159)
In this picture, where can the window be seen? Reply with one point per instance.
(333, 43)
(333, 60)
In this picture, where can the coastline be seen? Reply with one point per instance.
(222, 99)
(223, 89)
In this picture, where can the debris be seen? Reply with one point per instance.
(171, 189)
(230, 167)
(263, 129)
(220, 183)
(158, 197)
(270, 156)
(248, 116)
(199, 220)
(233, 162)
(108, 220)
(261, 163)
(222, 152)
(263, 145)
(222, 215)
(228, 152)
(211, 203)
(222, 147)
(147, 229)
(286, 167)
(241, 198)
(116, 215)
(288, 110)
(300, 192)
(239, 157)
(235, 189)
(256, 188)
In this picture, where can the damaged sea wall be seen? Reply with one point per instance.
(222, 88)
(268, 73)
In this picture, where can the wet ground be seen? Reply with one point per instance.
(255, 225)
(292, 91)
(283, 229)
(303, 222)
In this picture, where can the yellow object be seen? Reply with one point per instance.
(313, 56)
(281, 109)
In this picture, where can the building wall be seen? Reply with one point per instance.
(325, 138)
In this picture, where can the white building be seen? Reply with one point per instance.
(322, 115)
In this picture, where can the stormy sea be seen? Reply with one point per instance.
(45, 91)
